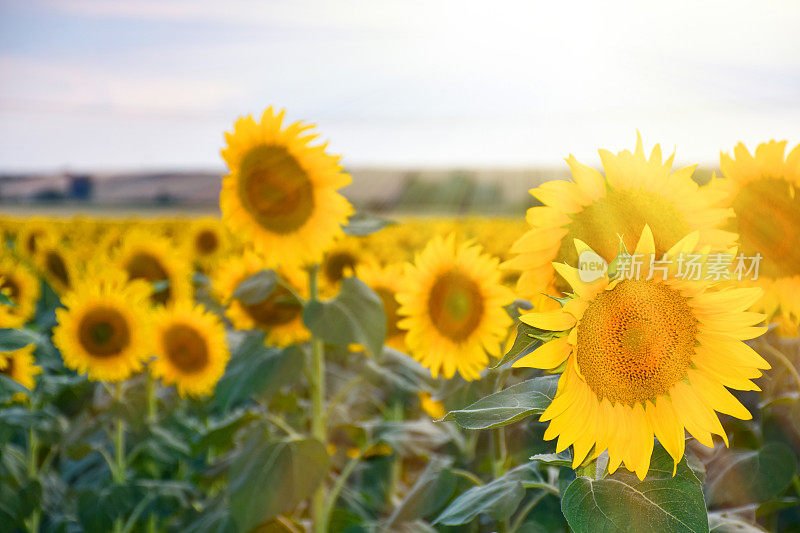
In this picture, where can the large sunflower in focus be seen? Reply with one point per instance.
(147, 256)
(451, 300)
(23, 289)
(279, 316)
(105, 329)
(645, 357)
(20, 366)
(599, 209)
(281, 191)
(764, 192)
(190, 348)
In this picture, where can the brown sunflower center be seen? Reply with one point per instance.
(9, 368)
(621, 212)
(390, 307)
(9, 285)
(186, 348)
(635, 341)
(281, 307)
(31, 243)
(206, 242)
(57, 268)
(104, 332)
(144, 266)
(338, 265)
(275, 189)
(455, 305)
(768, 215)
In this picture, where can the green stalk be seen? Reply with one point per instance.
(33, 473)
(118, 438)
(152, 406)
(318, 423)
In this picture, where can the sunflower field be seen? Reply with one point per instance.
(624, 358)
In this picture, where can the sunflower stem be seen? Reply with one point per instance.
(318, 423)
(33, 473)
(119, 442)
(152, 406)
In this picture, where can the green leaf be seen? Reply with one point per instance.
(554, 459)
(256, 288)
(271, 478)
(9, 387)
(430, 493)
(355, 315)
(524, 344)
(499, 498)
(768, 471)
(256, 369)
(507, 406)
(361, 224)
(621, 502)
(14, 339)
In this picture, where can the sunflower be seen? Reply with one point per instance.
(22, 286)
(340, 261)
(105, 328)
(281, 192)
(600, 209)
(145, 255)
(385, 281)
(20, 366)
(279, 316)
(56, 262)
(190, 348)
(644, 357)
(207, 241)
(763, 191)
(452, 302)
(30, 233)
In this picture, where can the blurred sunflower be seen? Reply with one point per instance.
(105, 329)
(279, 316)
(600, 209)
(23, 289)
(763, 191)
(20, 366)
(452, 302)
(207, 240)
(56, 262)
(281, 192)
(190, 347)
(153, 258)
(645, 357)
(30, 233)
(340, 261)
(384, 280)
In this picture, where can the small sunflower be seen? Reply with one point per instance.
(596, 209)
(190, 348)
(207, 241)
(645, 357)
(30, 233)
(22, 287)
(57, 263)
(340, 261)
(279, 316)
(764, 192)
(385, 281)
(282, 192)
(452, 302)
(20, 366)
(145, 255)
(105, 329)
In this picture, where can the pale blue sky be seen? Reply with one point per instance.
(145, 84)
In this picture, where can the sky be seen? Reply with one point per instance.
(110, 85)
